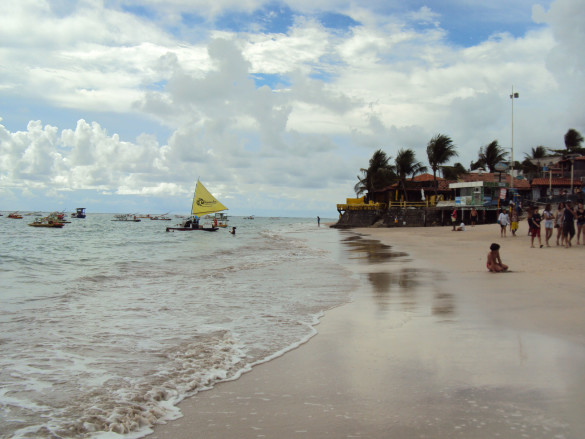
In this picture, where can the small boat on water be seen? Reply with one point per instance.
(48, 222)
(220, 220)
(15, 215)
(58, 217)
(203, 204)
(249, 217)
(127, 217)
(162, 217)
(79, 213)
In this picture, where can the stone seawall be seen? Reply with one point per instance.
(400, 217)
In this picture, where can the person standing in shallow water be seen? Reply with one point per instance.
(494, 261)
(318, 221)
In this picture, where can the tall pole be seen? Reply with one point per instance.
(512, 96)
(572, 161)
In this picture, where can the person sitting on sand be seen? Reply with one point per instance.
(494, 262)
(461, 227)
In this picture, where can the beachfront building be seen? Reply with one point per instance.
(559, 178)
(487, 192)
(479, 194)
(555, 189)
(420, 192)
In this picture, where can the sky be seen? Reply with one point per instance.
(120, 106)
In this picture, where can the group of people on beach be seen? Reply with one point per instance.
(563, 220)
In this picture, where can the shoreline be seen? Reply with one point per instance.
(431, 346)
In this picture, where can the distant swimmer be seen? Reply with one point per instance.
(233, 231)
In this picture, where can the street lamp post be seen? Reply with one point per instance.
(550, 194)
(512, 97)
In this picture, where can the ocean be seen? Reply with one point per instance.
(106, 326)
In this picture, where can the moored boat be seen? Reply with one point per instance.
(220, 220)
(162, 217)
(79, 213)
(47, 221)
(127, 217)
(15, 215)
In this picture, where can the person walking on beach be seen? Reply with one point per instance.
(494, 261)
(580, 222)
(454, 218)
(534, 220)
(548, 223)
(503, 220)
(559, 222)
(514, 221)
(474, 217)
(569, 224)
(318, 221)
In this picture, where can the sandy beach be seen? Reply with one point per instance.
(432, 346)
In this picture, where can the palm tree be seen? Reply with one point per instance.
(489, 155)
(453, 172)
(379, 174)
(573, 140)
(440, 150)
(406, 165)
(528, 166)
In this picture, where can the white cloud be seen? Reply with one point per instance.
(387, 83)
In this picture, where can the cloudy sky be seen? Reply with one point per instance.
(120, 105)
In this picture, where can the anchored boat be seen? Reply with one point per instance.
(79, 213)
(48, 221)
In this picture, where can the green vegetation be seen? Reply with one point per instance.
(381, 173)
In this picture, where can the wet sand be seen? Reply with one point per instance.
(433, 346)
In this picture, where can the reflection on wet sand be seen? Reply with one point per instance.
(443, 304)
(371, 250)
(406, 282)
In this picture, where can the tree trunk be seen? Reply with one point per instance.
(404, 190)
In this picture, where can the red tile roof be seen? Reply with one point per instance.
(426, 177)
(555, 182)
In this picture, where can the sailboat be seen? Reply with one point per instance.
(203, 204)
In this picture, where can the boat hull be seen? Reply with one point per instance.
(50, 226)
(189, 229)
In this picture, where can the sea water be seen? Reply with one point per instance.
(105, 326)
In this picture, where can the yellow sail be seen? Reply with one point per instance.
(204, 203)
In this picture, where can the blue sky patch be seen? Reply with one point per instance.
(139, 11)
(337, 21)
(273, 81)
(272, 18)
